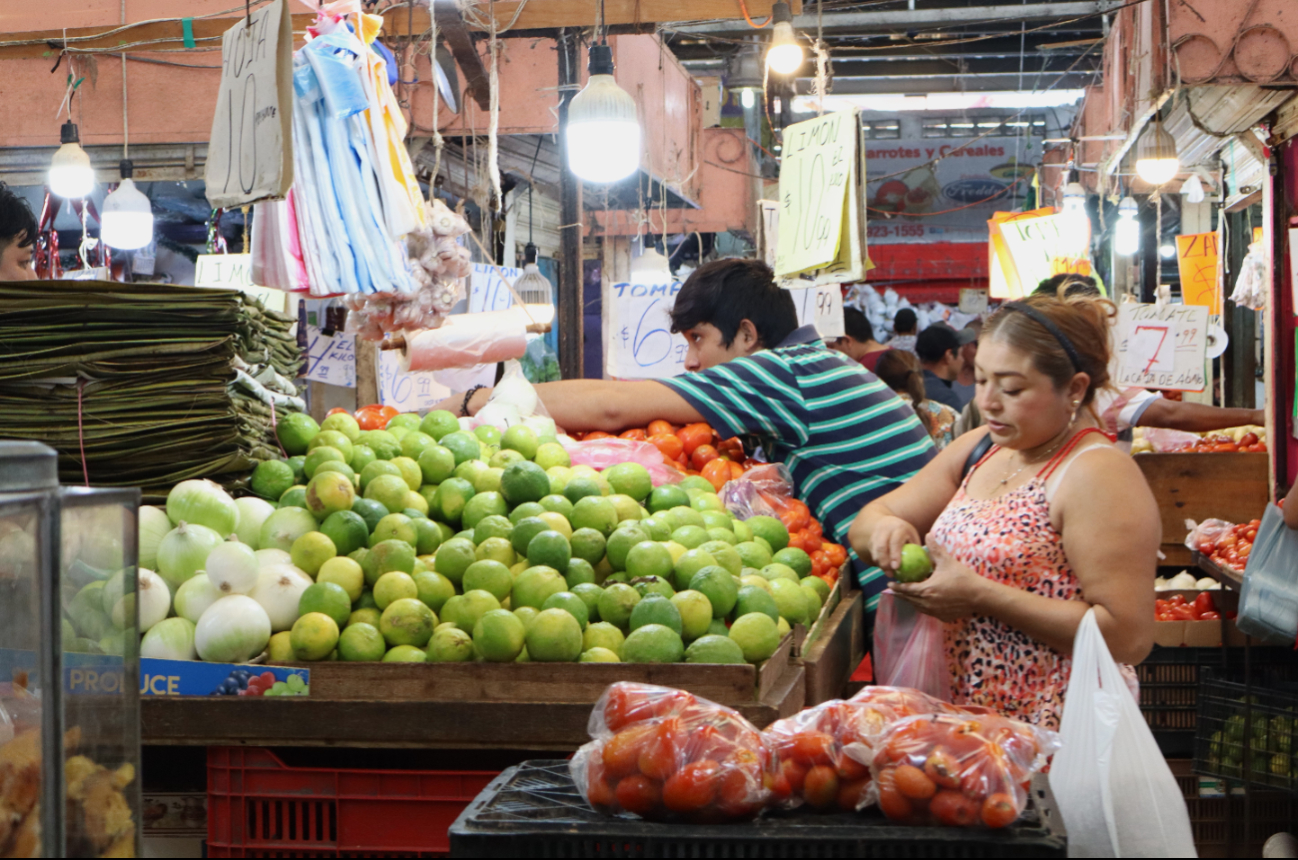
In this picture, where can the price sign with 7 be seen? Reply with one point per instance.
(1155, 347)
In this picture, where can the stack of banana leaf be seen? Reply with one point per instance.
(155, 383)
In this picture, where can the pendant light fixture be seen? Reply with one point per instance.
(71, 176)
(1156, 159)
(127, 220)
(533, 287)
(603, 130)
(744, 75)
(785, 55)
(1126, 232)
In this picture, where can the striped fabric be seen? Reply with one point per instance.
(846, 438)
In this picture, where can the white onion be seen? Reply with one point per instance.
(233, 630)
(170, 639)
(183, 552)
(194, 596)
(252, 513)
(267, 557)
(279, 589)
(153, 598)
(154, 525)
(232, 568)
(204, 503)
(285, 526)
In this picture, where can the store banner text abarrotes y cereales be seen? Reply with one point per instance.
(250, 155)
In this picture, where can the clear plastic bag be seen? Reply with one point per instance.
(1207, 531)
(665, 754)
(601, 453)
(758, 492)
(910, 648)
(1165, 441)
(957, 770)
(813, 767)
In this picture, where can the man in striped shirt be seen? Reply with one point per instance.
(846, 438)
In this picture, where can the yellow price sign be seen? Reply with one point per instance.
(1198, 261)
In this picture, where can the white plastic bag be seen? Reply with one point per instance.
(1114, 790)
(910, 649)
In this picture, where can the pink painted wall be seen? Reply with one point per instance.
(1219, 43)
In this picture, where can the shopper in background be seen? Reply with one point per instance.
(17, 237)
(900, 371)
(858, 342)
(905, 325)
(963, 385)
(1122, 409)
(938, 348)
(1031, 536)
(843, 435)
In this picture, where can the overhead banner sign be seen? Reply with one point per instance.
(250, 155)
(640, 340)
(1200, 267)
(820, 225)
(1162, 346)
(942, 191)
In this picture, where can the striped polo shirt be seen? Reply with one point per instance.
(845, 437)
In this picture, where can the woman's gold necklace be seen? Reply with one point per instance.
(1046, 456)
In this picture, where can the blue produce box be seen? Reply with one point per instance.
(195, 678)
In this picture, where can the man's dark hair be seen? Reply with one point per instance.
(934, 342)
(1074, 285)
(856, 326)
(16, 220)
(905, 321)
(727, 292)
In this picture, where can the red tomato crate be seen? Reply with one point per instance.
(257, 806)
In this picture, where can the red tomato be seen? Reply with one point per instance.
(1177, 600)
(1210, 616)
(999, 811)
(1182, 612)
(694, 435)
(953, 809)
(1204, 603)
(716, 472)
(336, 410)
(638, 794)
(813, 748)
(942, 769)
(851, 793)
(692, 787)
(659, 428)
(658, 756)
(635, 435)
(622, 752)
(894, 804)
(820, 789)
(1248, 439)
(375, 417)
(912, 783)
(836, 554)
(669, 445)
(794, 773)
(702, 455)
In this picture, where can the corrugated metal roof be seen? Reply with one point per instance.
(1204, 119)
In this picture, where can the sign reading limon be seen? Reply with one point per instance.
(234, 272)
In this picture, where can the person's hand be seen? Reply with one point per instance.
(451, 404)
(890, 535)
(952, 592)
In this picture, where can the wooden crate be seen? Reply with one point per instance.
(832, 656)
(1231, 487)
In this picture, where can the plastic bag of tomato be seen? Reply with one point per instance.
(695, 449)
(666, 754)
(1227, 545)
(957, 770)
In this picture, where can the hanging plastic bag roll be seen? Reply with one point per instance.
(467, 339)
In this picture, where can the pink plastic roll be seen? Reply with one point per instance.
(465, 340)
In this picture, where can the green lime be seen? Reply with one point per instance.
(770, 529)
(741, 529)
(392, 586)
(361, 642)
(406, 621)
(405, 654)
(617, 603)
(332, 439)
(648, 585)
(753, 554)
(329, 492)
(436, 464)
(464, 610)
(526, 529)
(272, 478)
(344, 572)
(326, 597)
(601, 634)
(579, 572)
(535, 584)
(450, 645)
(375, 470)
(394, 527)
(557, 504)
(454, 557)
(318, 456)
(386, 556)
(589, 592)
(557, 522)
(489, 575)
(525, 510)
(551, 454)
(295, 432)
(492, 525)
(656, 528)
(384, 444)
(588, 544)
(549, 548)
(696, 482)
(483, 505)
(756, 635)
(775, 570)
(433, 589)
(690, 563)
(498, 635)
(718, 520)
(598, 655)
(628, 509)
(656, 609)
(428, 537)
(362, 456)
(453, 495)
(342, 423)
(754, 599)
(410, 472)
(594, 512)
(631, 479)
(298, 465)
(790, 600)
(570, 603)
(406, 420)
(814, 602)
(666, 497)
(559, 477)
(367, 599)
(581, 486)
(464, 446)
(821, 587)
(524, 481)
(311, 551)
(388, 490)
(471, 471)
(723, 536)
(487, 434)
(415, 443)
(724, 554)
(719, 587)
(620, 543)
(554, 637)
(438, 423)
(522, 439)
(647, 558)
(687, 516)
(695, 613)
(365, 615)
(714, 648)
(314, 636)
(502, 459)
(653, 643)
(340, 468)
(690, 537)
(371, 512)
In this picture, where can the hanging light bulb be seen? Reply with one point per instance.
(127, 221)
(1192, 189)
(1074, 214)
(533, 288)
(1156, 159)
(603, 131)
(747, 98)
(1126, 232)
(1167, 251)
(785, 54)
(71, 176)
(651, 268)
(744, 75)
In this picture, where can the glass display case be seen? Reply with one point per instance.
(69, 664)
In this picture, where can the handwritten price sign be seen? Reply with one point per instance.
(1198, 261)
(331, 358)
(822, 307)
(250, 156)
(641, 344)
(409, 392)
(488, 290)
(1162, 347)
(818, 166)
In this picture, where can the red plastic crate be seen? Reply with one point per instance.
(257, 806)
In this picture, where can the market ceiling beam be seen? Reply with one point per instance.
(400, 21)
(451, 26)
(947, 83)
(905, 19)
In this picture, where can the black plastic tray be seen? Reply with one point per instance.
(534, 810)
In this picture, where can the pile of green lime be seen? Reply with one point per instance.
(429, 542)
